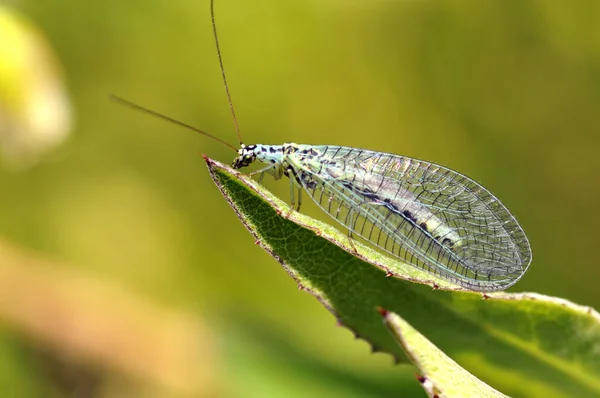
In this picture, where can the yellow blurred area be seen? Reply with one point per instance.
(35, 114)
(97, 322)
(118, 255)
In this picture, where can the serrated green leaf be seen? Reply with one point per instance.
(522, 344)
(440, 375)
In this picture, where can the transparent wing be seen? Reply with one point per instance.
(428, 215)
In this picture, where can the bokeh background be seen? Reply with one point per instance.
(123, 272)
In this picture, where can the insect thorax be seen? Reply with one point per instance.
(289, 159)
(269, 154)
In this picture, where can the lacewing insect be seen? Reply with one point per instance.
(425, 214)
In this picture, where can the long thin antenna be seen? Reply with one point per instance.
(214, 25)
(150, 112)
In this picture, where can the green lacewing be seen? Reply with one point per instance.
(425, 214)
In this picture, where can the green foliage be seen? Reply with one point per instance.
(523, 344)
(440, 374)
(505, 92)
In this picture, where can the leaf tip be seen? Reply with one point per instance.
(428, 386)
(382, 311)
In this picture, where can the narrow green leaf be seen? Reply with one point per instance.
(522, 344)
(440, 375)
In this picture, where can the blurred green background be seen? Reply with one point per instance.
(507, 92)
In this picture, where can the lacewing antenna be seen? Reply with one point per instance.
(214, 26)
(150, 112)
(158, 115)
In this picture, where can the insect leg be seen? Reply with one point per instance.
(350, 229)
(270, 168)
(293, 199)
(294, 179)
(351, 241)
(261, 172)
(299, 198)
